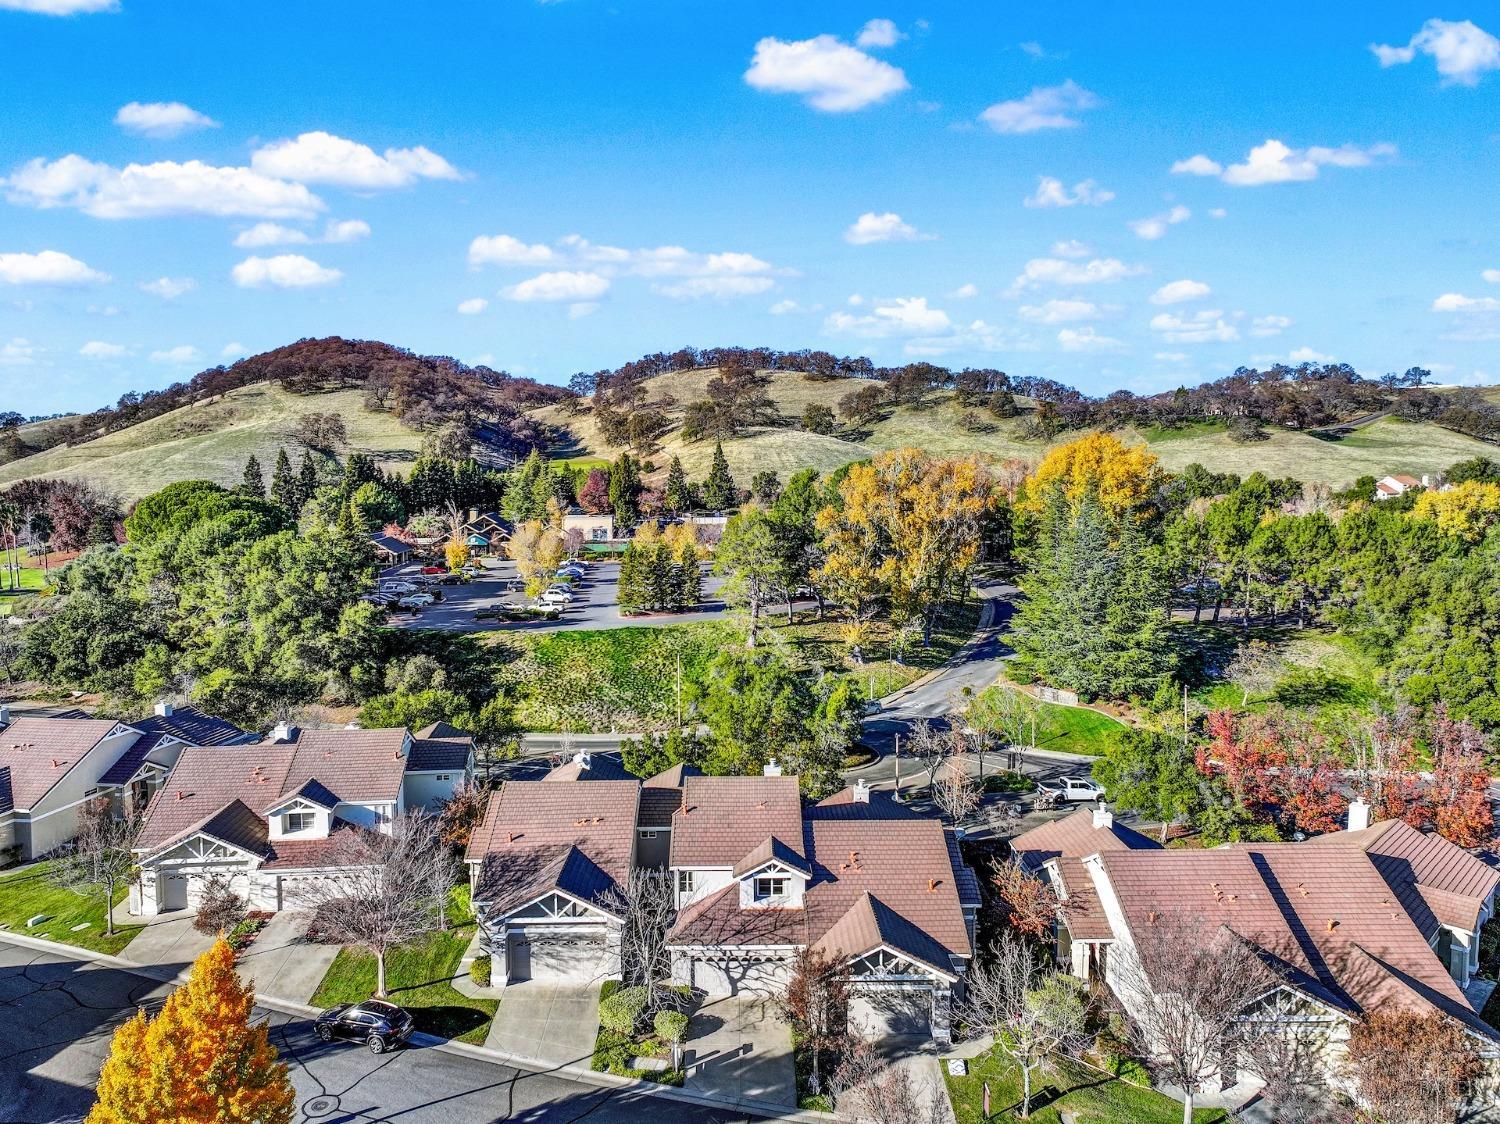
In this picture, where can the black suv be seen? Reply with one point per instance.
(377, 1024)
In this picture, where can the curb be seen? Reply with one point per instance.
(577, 1071)
(986, 620)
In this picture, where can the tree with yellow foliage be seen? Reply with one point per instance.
(456, 551)
(1122, 477)
(537, 550)
(199, 1061)
(1466, 511)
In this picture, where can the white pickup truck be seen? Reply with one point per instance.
(1072, 789)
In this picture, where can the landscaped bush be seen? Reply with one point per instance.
(479, 970)
(670, 1026)
(220, 909)
(622, 1011)
(1008, 782)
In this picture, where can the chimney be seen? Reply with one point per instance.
(1103, 817)
(163, 708)
(861, 792)
(282, 731)
(1426, 480)
(1359, 814)
(583, 759)
(473, 514)
(772, 769)
(4, 716)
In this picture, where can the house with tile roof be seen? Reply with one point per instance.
(1350, 922)
(756, 876)
(268, 816)
(50, 767)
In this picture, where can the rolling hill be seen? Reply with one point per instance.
(1383, 446)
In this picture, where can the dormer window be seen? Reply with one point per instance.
(293, 822)
(771, 886)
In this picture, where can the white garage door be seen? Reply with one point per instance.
(878, 1014)
(740, 977)
(557, 957)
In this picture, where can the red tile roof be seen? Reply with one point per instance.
(1074, 837)
(39, 752)
(722, 819)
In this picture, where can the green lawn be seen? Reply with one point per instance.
(1090, 1096)
(1072, 729)
(417, 978)
(33, 580)
(26, 893)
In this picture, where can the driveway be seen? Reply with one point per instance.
(169, 945)
(738, 1048)
(282, 963)
(551, 1023)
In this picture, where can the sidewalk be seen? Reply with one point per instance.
(579, 1072)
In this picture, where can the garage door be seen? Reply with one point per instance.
(172, 892)
(298, 891)
(877, 1014)
(559, 958)
(740, 977)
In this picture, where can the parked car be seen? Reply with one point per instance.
(488, 613)
(1072, 789)
(433, 570)
(379, 1025)
(556, 597)
(453, 579)
(397, 587)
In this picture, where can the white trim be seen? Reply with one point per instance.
(151, 858)
(33, 817)
(591, 906)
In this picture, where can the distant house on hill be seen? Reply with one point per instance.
(1389, 487)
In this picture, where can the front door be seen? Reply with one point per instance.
(172, 892)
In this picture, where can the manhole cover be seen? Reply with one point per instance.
(320, 1106)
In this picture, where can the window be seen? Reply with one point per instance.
(294, 822)
(771, 887)
(647, 834)
(445, 776)
(598, 534)
(684, 881)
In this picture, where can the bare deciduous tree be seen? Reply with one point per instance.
(1254, 669)
(220, 909)
(956, 794)
(1185, 991)
(1411, 1067)
(383, 892)
(1033, 1012)
(931, 746)
(870, 1089)
(645, 905)
(98, 860)
(816, 1004)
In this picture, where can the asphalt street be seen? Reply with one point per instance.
(59, 1013)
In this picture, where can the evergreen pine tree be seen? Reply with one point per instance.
(543, 491)
(624, 487)
(662, 592)
(718, 490)
(349, 523)
(283, 484)
(254, 484)
(689, 577)
(677, 496)
(520, 491)
(307, 479)
(628, 586)
(201, 1059)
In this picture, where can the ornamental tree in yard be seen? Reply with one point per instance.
(1031, 906)
(199, 1061)
(1414, 1068)
(1460, 788)
(816, 1003)
(98, 859)
(593, 497)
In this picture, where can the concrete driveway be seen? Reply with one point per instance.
(738, 1048)
(551, 1023)
(168, 942)
(282, 963)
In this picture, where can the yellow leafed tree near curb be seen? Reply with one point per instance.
(199, 1061)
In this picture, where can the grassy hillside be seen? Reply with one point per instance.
(1385, 446)
(211, 440)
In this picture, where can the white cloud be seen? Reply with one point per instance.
(1171, 356)
(17, 352)
(560, 285)
(161, 119)
(579, 309)
(1492, 276)
(473, 306)
(1051, 192)
(1175, 292)
(169, 288)
(887, 227)
(163, 188)
(502, 249)
(1056, 271)
(1157, 225)
(182, 353)
(346, 230)
(98, 349)
(274, 234)
(965, 292)
(320, 157)
(1202, 327)
(1275, 162)
(722, 286)
(1462, 50)
(1269, 325)
(1086, 339)
(50, 267)
(1046, 107)
(830, 75)
(879, 33)
(1033, 48)
(1071, 248)
(1059, 311)
(903, 316)
(59, 7)
(1217, 212)
(232, 350)
(1457, 302)
(1308, 355)
(284, 271)
(784, 308)
(1199, 165)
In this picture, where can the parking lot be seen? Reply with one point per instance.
(595, 604)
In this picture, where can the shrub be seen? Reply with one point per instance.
(622, 1011)
(220, 909)
(670, 1026)
(479, 971)
(1008, 782)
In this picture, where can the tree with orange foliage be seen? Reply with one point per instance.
(1461, 781)
(1030, 905)
(199, 1061)
(1242, 752)
(1122, 477)
(1273, 765)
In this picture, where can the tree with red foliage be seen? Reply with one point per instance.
(593, 497)
(1309, 782)
(1461, 781)
(1412, 1067)
(1243, 752)
(1030, 905)
(461, 813)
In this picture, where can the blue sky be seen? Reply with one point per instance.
(549, 187)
